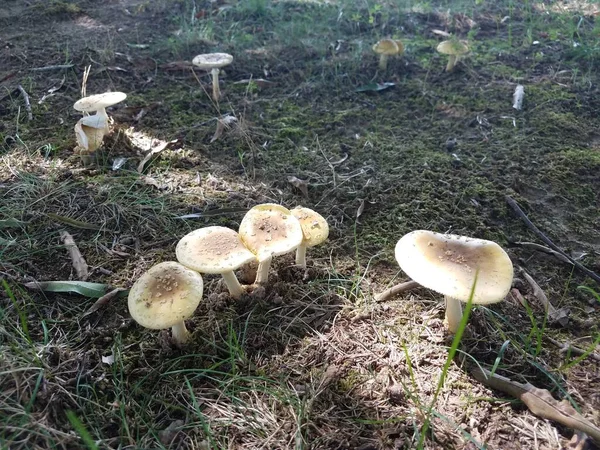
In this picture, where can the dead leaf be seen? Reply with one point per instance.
(79, 264)
(360, 209)
(223, 124)
(102, 301)
(159, 148)
(110, 359)
(167, 435)
(260, 82)
(177, 65)
(299, 184)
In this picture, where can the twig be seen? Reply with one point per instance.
(329, 163)
(79, 264)
(560, 316)
(515, 206)
(46, 68)
(566, 347)
(402, 287)
(539, 401)
(542, 248)
(27, 103)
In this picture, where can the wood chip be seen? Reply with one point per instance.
(79, 264)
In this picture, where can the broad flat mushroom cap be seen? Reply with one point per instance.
(314, 226)
(447, 264)
(388, 47)
(165, 295)
(452, 47)
(213, 250)
(270, 230)
(212, 60)
(99, 101)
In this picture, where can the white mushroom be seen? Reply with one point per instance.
(448, 264)
(269, 230)
(90, 130)
(213, 62)
(215, 250)
(164, 296)
(315, 230)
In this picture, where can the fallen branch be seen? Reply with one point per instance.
(542, 248)
(79, 263)
(539, 401)
(394, 290)
(515, 206)
(27, 102)
(568, 348)
(47, 68)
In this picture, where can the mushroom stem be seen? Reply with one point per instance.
(215, 84)
(383, 59)
(453, 313)
(301, 255)
(262, 273)
(180, 333)
(452, 60)
(234, 286)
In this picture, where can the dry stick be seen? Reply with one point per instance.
(515, 206)
(402, 287)
(539, 294)
(564, 348)
(539, 401)
(57, 67)
(542, 248)
(27, 103)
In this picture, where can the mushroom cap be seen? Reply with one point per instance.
(388, 47)
(453, 47)
(99, 101)
(165, 295)
(213, 250)
(94, 121)
(314, 226)
(270, 230)
(447, 264)
(212, 60)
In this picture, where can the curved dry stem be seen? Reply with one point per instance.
(397, 289)
(234, 286)
(454, 313)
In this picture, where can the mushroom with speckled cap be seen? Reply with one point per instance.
(315, 230)
(449, 264)
(454, 49)
(217, 250)
(213, 62)
(164, 296)
(386, 48)
(269, 230)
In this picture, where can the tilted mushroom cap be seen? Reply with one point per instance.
(165, 295)
(270, 230)
(99, 101)
(388, 47)
(447, 264)
(213, 250)
(314, 226)
(212, 60)
(452, 47)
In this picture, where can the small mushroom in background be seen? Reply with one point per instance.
(269, 230)
(91, 129)
(164, 296)
(454, 49)
(314, 229)
(216, 250)
(448, 264)
(213, 62)
(386, 48)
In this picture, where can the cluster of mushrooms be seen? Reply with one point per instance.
(454, 48)
(169, 292)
